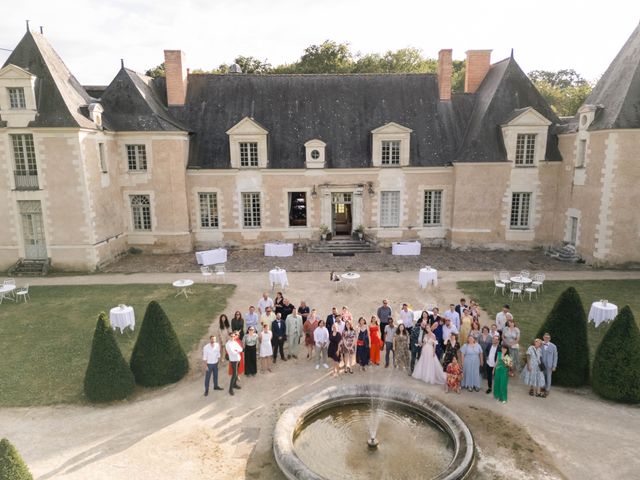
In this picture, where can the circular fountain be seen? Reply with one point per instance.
(372, 431)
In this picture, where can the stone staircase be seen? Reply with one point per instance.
(30, 268)
(346, 247)
(564, 253)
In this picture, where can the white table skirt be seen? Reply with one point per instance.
(211, 257)
(428, 276)
(278, 249)
(406, 248)
(122, 318)
(600, 313)
(278, 276)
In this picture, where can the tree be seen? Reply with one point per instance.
(616, 368)
(108, 376)
(157, 71)
(567, 325)
(565, 90)
(158, 357)
(328, 57)
(12, 467)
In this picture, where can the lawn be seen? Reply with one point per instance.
(530, 315)
(45, 344)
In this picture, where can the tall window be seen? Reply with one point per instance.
(248, 154)
(389, 209)
(24, 154)
(102, 158)
(432, 207)
(520, 208)
(390, 152)
(208, 210)
(525, 148)
(582, 153)
(251, 210)
(16, 98)
(297, 209)
(141, 212)
(137, 157)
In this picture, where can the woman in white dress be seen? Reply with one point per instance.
(266, 349)
(428, 368)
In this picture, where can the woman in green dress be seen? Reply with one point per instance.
(501, 374)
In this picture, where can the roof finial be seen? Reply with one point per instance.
(41, 30)
(512, 54)
(122, 63)
(27, 24)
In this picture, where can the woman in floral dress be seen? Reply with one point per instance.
(454, 376)
(401, 354)
(376, 340)
(348, 347)
(532, 374)
(501, 374)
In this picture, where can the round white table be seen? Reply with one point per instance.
(212, 257)
(278, 249)
(519, 279)
(601, 313)
(122, 317)
(428, 276)
(350, 280)
(183, 287)
(278, 276)
(406, 248)
(5, 292)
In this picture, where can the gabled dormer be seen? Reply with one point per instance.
(525, 137)
(390, 145)
(17, 96)
(248, 144)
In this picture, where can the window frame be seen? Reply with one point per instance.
(434, 209)
(23, 149)
(249, 211)
(390, 152)
(213, 213)
(250, 156)
(102, 158)
(518, 209)
(581, 154)
(138, 159)
(141, 220)
(290, 194)
(525, 154)
(390, 208)
(17, 98)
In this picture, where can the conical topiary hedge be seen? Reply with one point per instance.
(616, 368)
(108, 375)
(567, 325)
(12, 467)
(157, 358)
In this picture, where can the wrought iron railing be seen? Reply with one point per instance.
(26, 181)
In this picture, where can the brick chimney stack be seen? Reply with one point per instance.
(478, 63)
(445, 69)
(176, 76)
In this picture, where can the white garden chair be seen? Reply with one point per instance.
(23, 292)
(525, 274)
(530, 290)
(538, 280)
(498, 284)
(220, 273)
(505, 277)
(9, 281)
(206, 273)
(516, 289)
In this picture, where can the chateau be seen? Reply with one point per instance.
(193, 161)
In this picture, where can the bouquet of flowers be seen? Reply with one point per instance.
(507, 361)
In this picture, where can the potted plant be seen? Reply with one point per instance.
(324, 231)
(360, 231)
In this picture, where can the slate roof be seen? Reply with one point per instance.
(132, 102)
(59, 96)
(618, 90)
(503, 94)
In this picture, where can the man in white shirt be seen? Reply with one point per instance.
(233, 350)
(321, 339)
(210, 356)
(502, 317)
(452, 315)
(491, 355)
(264, 302)
(406, 317)
(252, 318)
(268, 317)
(339, 324)
(447, 329)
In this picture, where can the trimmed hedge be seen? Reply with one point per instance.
(157, 358)
(567, 324)
(616, 368)
(12, 467)
(108, 376)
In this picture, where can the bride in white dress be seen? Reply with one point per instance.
(428, 368)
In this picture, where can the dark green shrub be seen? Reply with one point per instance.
(108, 375)
(616, 368)
(157, 358)
(12, 467)
(567, 324)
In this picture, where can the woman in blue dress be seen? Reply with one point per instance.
(532, 375)
(472, 360)
(362, 344)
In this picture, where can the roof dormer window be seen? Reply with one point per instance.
(390, 152)
(248, 144)
(315, 151)
(525, 149)
(16, 98)
(391, 145)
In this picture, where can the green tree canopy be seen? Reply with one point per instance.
(565, 90)
(12, 467)
(157, 71)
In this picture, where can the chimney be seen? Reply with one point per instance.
(478, 63)
(445, 68)
(176, 76)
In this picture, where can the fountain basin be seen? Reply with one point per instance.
(456, 441)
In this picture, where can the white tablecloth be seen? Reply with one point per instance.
(519, 279)
(278, 249)
(278, 276)
(5, 291)
(428, 276)
(122, 317)
(211, 257)
(406, 248)
(600, 313)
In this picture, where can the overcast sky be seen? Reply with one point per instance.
(92, 35)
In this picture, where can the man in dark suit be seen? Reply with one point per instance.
(461, 306)
(491, 356)
(331, 318)
(279, 329)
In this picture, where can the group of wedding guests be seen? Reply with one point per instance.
(428, 349)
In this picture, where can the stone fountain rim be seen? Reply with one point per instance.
(292, 418)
